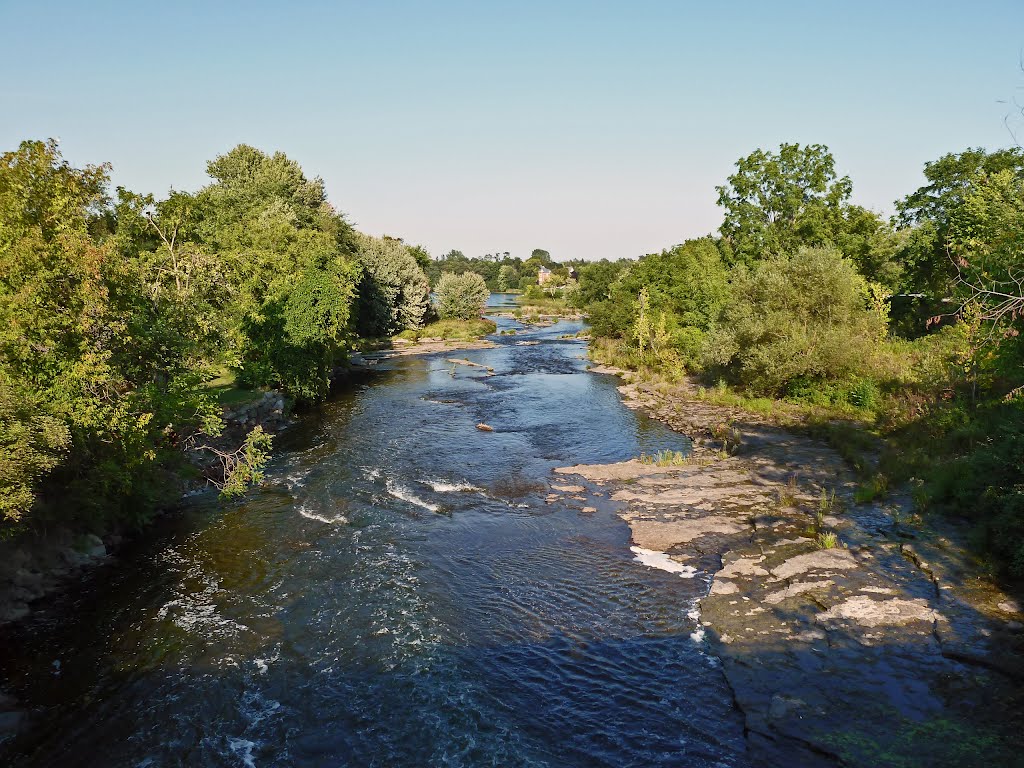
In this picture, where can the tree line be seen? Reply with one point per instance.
(117, 309)
(911, 325)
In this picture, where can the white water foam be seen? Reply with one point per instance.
(263, 665)
(694, 615)
(242, 748)
(663, 562)
(442, 486)
(310, 515)
(403, 493)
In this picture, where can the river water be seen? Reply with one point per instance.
(397, 593)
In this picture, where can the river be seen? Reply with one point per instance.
(398, 592)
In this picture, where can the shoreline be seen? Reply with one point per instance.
(362, 360)
(886, 648)
(37, 566)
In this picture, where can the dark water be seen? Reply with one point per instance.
(398, 593)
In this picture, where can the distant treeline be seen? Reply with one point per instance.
(910, 326)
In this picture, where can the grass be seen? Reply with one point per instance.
(730, 437)
(788, 494)
(666, 458)
(451, 330)
(537, 306)
(828, 503)
(225, 389)
(875, 487)
(827, 540)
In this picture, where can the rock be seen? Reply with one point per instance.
(30, 580)
(781, 706)
(11, 721)
(743, 566)
(721, 587)
(93, 546)
(869, 612)
(73, 558)
(824, 559)
(794, 589)
(14, 611)
(834, 656)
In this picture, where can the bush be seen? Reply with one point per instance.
(984, 483)
(461, 297)
(798, 322)
(534, 293)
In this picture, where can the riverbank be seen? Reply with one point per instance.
(36, 564)
(851, 634)
(426, 346)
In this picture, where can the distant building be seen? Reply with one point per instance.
(543, 275)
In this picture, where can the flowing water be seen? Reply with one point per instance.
(397, 593)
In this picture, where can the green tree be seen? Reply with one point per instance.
(595, 279)
(687, 286)
(797, 321)
(79, 344)
(776, 202)
(422, 256)
(929, 275)
(508, 278)
(32, 443)
(394, 294)
(461, 297)
(284, 251)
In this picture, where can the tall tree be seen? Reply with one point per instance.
(285, 250)
(775, 202)
(394, 293)
(928, 285)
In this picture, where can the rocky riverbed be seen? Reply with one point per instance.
(885, 645)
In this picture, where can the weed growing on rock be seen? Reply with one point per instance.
(873, 488)
(666, 458)
(827, 540)
(787, 495)
(730, 437)
(828, 504)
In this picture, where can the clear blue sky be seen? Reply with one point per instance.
(592, 129)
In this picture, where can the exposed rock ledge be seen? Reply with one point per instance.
(890, 649)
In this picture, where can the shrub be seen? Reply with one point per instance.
(666, 302)
(533, 293)
(665, 458)
(800, 320)
(461, 297)
(827, 540)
